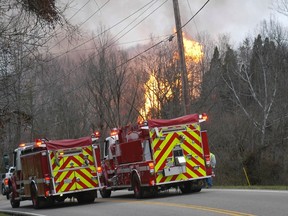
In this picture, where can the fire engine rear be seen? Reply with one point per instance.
(53, 170)
(158, 155)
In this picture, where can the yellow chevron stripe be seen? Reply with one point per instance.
(159, 177)
(166, 154)
(193, 174)
(181, 177)
(65, 185)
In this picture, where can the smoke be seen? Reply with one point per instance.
(236, 18)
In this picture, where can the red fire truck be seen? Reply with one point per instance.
(53, 170)
(157, 155)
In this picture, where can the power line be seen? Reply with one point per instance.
(137, 23)
(83, 21)
(101, 33)
(139, 54)
(64, 75)
(195, 14)
(50, 37)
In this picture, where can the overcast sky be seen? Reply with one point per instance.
(237, 18)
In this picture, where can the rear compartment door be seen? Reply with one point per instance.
(73, 169)
(178, 153)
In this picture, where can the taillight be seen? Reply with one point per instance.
(6, 181)
(99, 169)
(47, 179)
(151, 167)
(207, 159)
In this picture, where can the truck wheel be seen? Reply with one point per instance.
(3, 189)
(105, 193)
(90, 196)
(86, 197)
(186, 188)
(14, 203)
(138, 191)
(9, 189)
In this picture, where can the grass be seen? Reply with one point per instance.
(256, 187)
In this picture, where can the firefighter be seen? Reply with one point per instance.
(213, 165)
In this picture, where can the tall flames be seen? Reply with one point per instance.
(193, 55)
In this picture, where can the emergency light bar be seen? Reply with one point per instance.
(203, 117)
(114, 132)
(22, 145)
(96, 134)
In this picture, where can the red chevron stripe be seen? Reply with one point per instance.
(87, 178)
(83, 186)
(52, 160)
(163, 179)
(162, 166)
(187, 175)
(61, 183)
(174, 177)
(191, 137)
(198, 163)
(163, 151)
(194, 150)
(76, 161)
(153, 136)
(158, 144)
(68, 188)
(88, 150)
(194, 171)
(193, 128)
(167, 145)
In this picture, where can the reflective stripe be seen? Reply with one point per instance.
(73, 171)
(188, 138)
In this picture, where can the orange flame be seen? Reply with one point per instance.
(193, 54)
(193, 50)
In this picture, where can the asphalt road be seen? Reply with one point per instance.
(208, 202)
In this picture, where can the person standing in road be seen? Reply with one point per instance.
(213, 165)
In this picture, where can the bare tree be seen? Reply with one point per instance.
(281, 6)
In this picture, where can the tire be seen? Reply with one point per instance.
(14, 203)
(138, 190)
(105, 193)
(86, 197)
(186, 188)
(3, 191)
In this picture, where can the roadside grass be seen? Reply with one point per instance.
(256, 187)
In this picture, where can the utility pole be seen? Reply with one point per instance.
(185, 94)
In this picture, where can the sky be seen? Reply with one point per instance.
(237, 18)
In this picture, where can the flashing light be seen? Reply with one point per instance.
(203, 117)
(97, 134)
(38, 143)
(6, 181)
(22, 145)
(99, 169)
(142, 123)
(114, 132)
